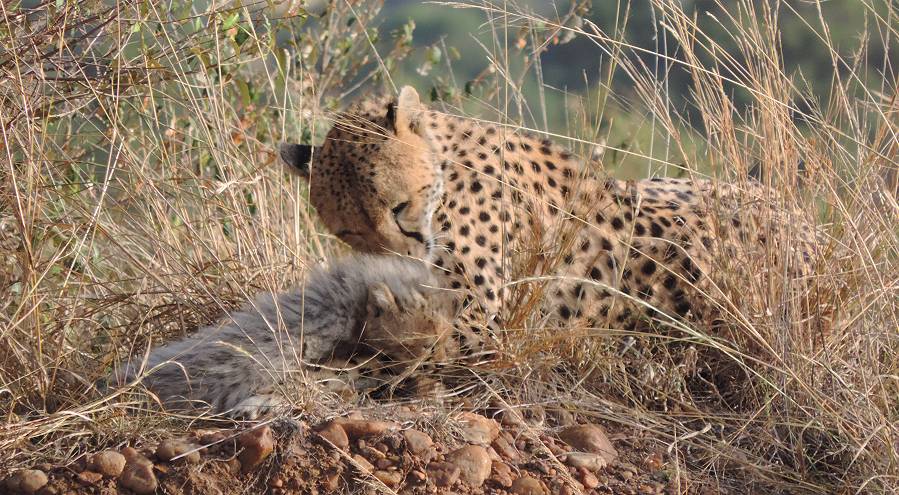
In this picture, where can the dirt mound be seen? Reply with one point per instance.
(468, 453)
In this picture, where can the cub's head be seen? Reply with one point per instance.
(410, 326)
(375, 181)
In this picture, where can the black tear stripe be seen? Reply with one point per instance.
(415, 235)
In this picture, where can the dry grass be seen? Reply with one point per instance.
(138, 199)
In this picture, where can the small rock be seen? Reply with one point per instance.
(527, 485)
(90, 477)
(552, 445)
(444, 474)
(27, 481)
(390, 478)
(335, 434)
(257, 445)
(494, 456)
(502, 474)
(109, 463)
(588, 479)
(363, 463)
(589, 438)
(372, 454)
(505, 448)
(418, 442)
(477, 429)
(586, 460)
(139, 478)
(32, 480)
(569, 487)
(473, 462)
(168, 450)
(356, 428)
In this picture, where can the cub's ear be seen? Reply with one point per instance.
(405, 113)
(380, 300)
(297, 157)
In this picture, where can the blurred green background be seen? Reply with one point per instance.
(576, 92)
(577, 65)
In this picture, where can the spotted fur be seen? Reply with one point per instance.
(520, 219)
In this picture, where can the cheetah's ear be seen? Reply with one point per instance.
(405, 113)
(380, 300)
(297, 157)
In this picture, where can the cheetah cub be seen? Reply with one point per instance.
(386, 307)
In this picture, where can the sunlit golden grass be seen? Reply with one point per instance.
(140, 197)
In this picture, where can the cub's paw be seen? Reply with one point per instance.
(257, 406)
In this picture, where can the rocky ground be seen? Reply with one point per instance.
(466, 453)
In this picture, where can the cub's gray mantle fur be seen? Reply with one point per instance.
(388, 304)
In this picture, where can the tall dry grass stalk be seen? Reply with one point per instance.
(139, 199)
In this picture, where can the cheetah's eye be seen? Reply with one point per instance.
(398, 209)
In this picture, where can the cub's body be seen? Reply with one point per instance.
(363, 304)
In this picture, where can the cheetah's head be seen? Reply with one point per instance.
(374, 182)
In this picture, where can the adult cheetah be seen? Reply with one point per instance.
(519, 219)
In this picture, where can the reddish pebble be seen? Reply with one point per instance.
(109, 463)
(139, 478)
(89, 477)
(527, 485)
(336, 435)
(473, 462)
(444, 474)
(502, 474)
(477, 429)
(27, 481)
(356, 429)
(589, 438)
(177, 450)
(390, 478)
(257, 445)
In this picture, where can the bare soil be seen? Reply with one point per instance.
(465, 453)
